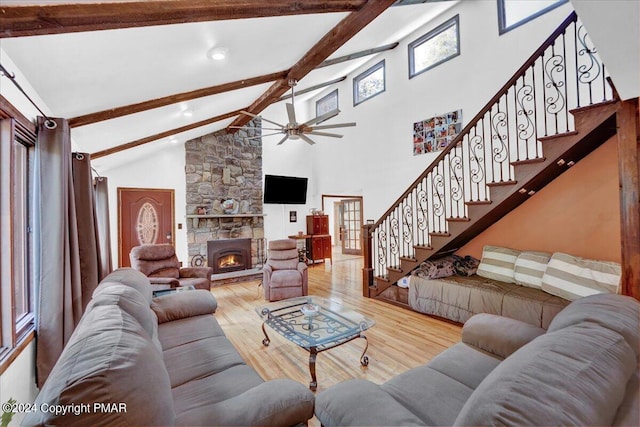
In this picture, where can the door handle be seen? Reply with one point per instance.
(169, 236)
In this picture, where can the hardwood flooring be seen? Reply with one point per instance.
(401, 339)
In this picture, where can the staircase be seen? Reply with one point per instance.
(557, 108)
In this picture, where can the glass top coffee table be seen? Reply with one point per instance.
(315, 324)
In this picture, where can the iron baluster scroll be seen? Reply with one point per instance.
(327, 327)
(564, 73)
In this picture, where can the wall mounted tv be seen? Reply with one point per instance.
(285, 190)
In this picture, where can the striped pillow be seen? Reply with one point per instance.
(572, 277)
(498, 263)
(530, 267)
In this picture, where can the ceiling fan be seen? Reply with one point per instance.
(295, 130)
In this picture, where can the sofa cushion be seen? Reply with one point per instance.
(572, 277)
(498, 263)
(200, 358)
(361, 403)
(530, 267)
(180, 332)
(285, 279)
(109, 359)
(573, 376)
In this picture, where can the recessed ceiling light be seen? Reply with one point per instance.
(187, 113)
(173, 140)
(218, 53)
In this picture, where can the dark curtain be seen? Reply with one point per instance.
(66, 265)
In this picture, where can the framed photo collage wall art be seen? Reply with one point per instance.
(435, 133)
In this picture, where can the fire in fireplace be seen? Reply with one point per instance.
(228, 255)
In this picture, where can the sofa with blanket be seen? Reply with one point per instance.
(138, 360)
(581, 371)
(530, 286)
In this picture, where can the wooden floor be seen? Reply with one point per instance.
(401, 339)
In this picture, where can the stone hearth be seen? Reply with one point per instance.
(221, 166)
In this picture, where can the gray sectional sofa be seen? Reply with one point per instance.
(582, 371)
(165, 361)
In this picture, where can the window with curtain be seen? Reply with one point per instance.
(437, 46)
(369, 84)
(16, 286)
(513, 13)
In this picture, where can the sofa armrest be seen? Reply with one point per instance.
(280, 402)
(202, 272)
(184, 304)
(498, 335)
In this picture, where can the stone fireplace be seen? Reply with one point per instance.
(222, 167)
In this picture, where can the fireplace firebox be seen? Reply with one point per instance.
(228, 255)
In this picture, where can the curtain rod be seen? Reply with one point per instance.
(49, 123)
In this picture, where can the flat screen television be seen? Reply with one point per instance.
(285, 190)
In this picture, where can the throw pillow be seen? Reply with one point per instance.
(572, 277)
(530, 267)
(498, 263)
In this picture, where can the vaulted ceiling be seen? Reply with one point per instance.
(130, 75)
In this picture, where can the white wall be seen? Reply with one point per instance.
(163, 170)
(613, 27)
(375, 158)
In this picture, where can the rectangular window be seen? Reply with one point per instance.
(513, 13)
(369, 84)
(435, 47)
(16, 286)
(327, 104)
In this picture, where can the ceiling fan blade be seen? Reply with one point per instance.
(291, 112)
(283, 139)
(320, 118)
(306, 139)
(333, 135)
(260, 136)
(337, 125)
(262, 118)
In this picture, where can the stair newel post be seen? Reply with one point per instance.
(367, 270)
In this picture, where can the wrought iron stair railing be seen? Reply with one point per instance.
(565, 73)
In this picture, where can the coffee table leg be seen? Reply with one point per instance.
(313, 352)
(364, 360)
(266, 339)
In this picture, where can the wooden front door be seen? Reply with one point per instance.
(145, 215)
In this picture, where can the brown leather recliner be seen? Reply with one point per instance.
(160, 264)
(283, 275)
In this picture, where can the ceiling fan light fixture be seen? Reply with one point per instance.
(217, 53)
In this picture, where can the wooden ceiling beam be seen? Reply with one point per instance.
(37, 20)
(112, 113)
(164, 134)
(339, 35)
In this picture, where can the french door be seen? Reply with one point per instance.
(351, 225)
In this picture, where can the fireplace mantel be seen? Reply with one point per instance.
(196, 218)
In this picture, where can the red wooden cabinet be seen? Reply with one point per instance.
(319, 242)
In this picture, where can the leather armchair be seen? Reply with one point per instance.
(284, 275)
(160, 264)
